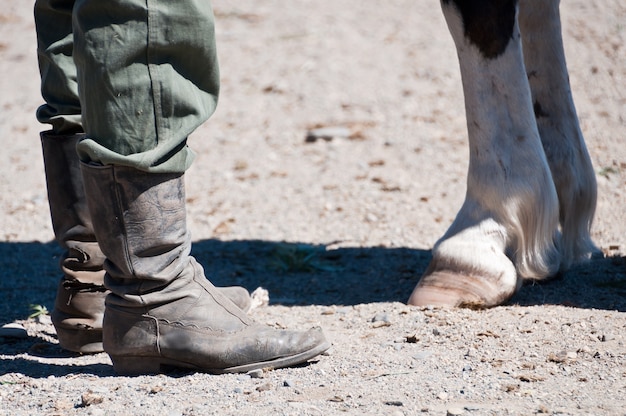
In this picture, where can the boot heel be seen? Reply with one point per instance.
(80, 340)
(132, 366)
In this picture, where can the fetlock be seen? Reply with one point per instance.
(162, 311)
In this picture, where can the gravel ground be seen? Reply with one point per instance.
(338, 230)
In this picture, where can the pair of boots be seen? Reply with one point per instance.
(160, 309)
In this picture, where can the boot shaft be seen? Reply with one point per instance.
(140, 222)
(71, 220)
(66, 195)
(79, 303)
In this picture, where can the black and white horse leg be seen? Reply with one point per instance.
(558, 125)
(506, 227)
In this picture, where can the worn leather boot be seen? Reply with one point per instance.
(79, 304)
(162, 311)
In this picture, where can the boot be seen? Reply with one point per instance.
(79, 304)
(162, 311)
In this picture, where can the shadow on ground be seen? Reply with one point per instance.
(305, 274)
(294, 274)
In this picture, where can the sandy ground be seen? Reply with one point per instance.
(366, 209)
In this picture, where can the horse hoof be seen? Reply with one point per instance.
(448, 288)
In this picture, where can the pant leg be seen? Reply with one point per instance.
(148, 77)
(53, 21)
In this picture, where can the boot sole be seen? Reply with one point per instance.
(139, 365)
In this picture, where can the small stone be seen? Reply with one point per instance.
(442, 396)
(90, 398)
(455, 411)
(13, 330)
(62, 404)
(264, 387)
(381, 320)
(288, 383)
(543, 409)
(44, 319)
(394, 403)
(371, 218)
(260, 297)
(422, 355)
(155, 389)
(256, 373)
(327, 133)
(559, 357)
(606, 337)
(380, 317)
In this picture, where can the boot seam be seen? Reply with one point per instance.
(120, 217)
(183, 325)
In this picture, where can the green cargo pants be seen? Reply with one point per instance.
(137, 76)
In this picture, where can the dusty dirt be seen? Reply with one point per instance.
(337, 230)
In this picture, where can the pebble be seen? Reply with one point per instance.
(327, 133)
(371, 218)
(422, 355)
(256, 373)
(90, 398)
(380, 317)
(264, 387)
(44, 319)
(606, 337)
(13, 331)
(288, 383)
(455, 411)
(259, 297)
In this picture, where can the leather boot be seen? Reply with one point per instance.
(79, 304)
(162, 311)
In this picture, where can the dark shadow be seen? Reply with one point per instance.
(350, 276)
(28, 276)
(36, 369)
(597, 284)
(294, 274)
(306, 274)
